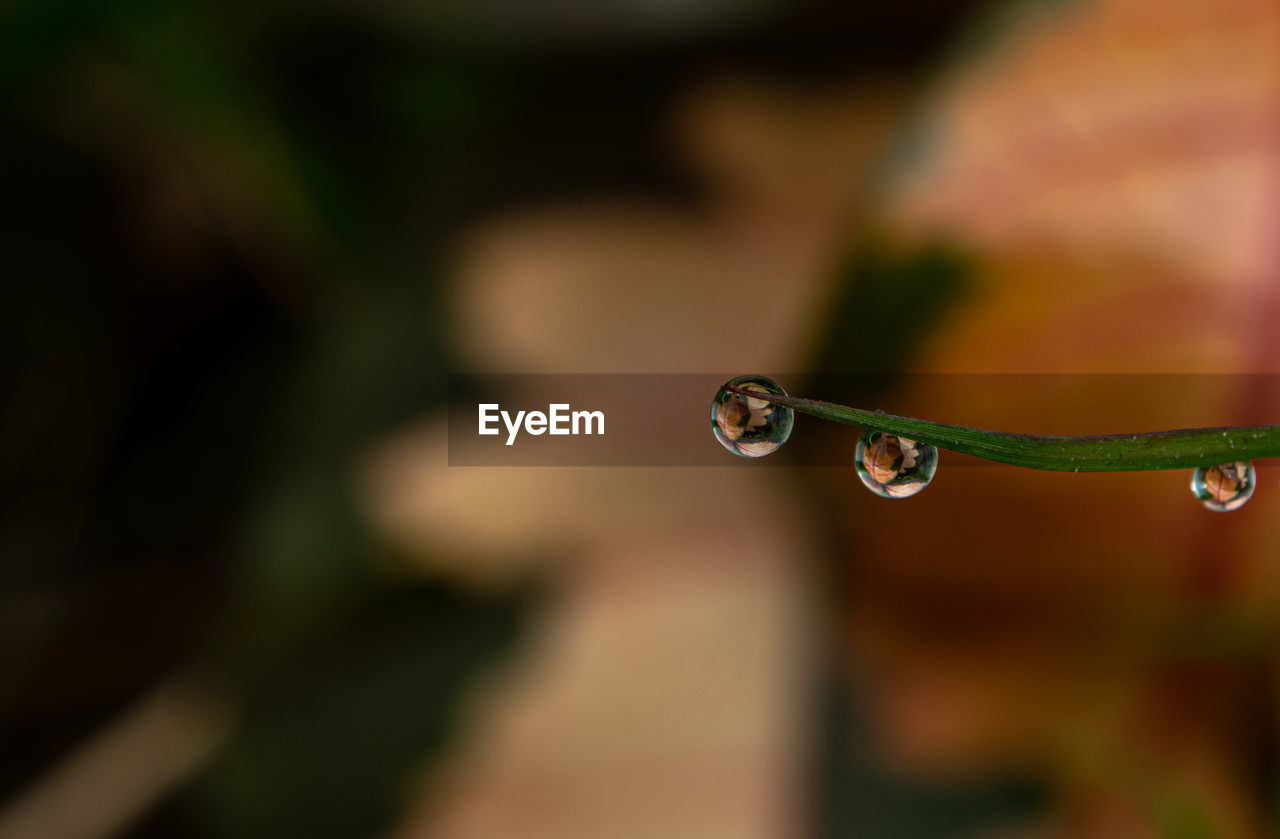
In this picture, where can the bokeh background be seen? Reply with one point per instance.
(242, 594)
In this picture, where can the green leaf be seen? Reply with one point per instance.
(1178, 449)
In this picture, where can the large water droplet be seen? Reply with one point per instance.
(750, 427)
(894, 466)
(1224, 488)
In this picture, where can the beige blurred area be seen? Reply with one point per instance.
(664, 694)
(620, 286)
(1112, 167)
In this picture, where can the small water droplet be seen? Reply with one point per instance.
(750, 427)
(893, 466)
(1224, 488)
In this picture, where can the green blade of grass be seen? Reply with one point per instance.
(1183, 448)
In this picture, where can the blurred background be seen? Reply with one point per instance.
(242, 594)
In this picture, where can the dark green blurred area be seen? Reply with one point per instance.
(225, 234)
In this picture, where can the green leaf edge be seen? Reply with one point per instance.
(1184, 448)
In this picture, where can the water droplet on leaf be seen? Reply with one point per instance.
(750, 427)
(893, 466)
(1224, 488)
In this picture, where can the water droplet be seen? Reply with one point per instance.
(1224, 488)
(893, 466)
(750, 427)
